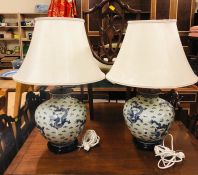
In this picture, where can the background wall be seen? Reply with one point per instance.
(22, 6)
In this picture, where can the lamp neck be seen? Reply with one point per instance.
(149, 93)
(61, 91)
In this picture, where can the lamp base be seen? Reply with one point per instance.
(59, 149)
(149, 118)
(146, 145)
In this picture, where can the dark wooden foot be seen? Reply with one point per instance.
(59, 149)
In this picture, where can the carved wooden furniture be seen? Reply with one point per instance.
(25, 121)
(14, 131)
(110, 15)
(193, 46)
(151, 9)
(188, 98)
(20, 88)
(8, 146)
(111, 25)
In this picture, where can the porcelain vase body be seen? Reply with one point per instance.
(148, 118)
(61, 119)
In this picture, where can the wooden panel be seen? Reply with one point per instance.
(193, 47)
(195, 19)
(93, 25)
(173, 9)
(184, 39)
(188, 97)
(184, 15)
(79, 8)
(163, 8)
(144, 5)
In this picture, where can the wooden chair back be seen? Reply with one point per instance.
(110, 16)
(26, 121)
(112, 23)
(8, 146)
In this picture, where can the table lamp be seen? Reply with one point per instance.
(151, 58)
(59, 55)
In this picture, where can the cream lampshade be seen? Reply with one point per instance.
(151, 56)
(59, 54)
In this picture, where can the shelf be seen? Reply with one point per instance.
(27, 26)
(34, 14)
(9, 26)
(13, 22)
(2, 66)
(11, 55)
(192, 38)
(8, 39)
(25, 39)
(142, 12)
(192, 57)
(145, 12)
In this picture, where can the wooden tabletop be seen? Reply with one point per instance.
(116, 153)
(7, 83)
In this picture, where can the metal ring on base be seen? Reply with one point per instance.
(146, 145)
(59, 149)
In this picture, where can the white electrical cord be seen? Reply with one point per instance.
(168, 156)
(90, 139)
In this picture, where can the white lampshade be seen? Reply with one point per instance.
(59, 54)
(152, 56)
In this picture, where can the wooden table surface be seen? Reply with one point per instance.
(116, 153)
(7, 83)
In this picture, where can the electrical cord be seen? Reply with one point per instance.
(90, 139)
(168, 156)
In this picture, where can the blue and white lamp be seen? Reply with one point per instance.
(59, 55)
(151, 57)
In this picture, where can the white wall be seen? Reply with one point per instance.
(22, 6)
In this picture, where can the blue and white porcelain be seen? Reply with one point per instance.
(8, 74)
(61, 119)
(148, 118)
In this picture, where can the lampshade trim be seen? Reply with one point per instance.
(152, 56)
(59, 18)
(152, 87)
(58, 84)
(152, 21)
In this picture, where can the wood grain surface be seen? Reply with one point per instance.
(116, 153)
